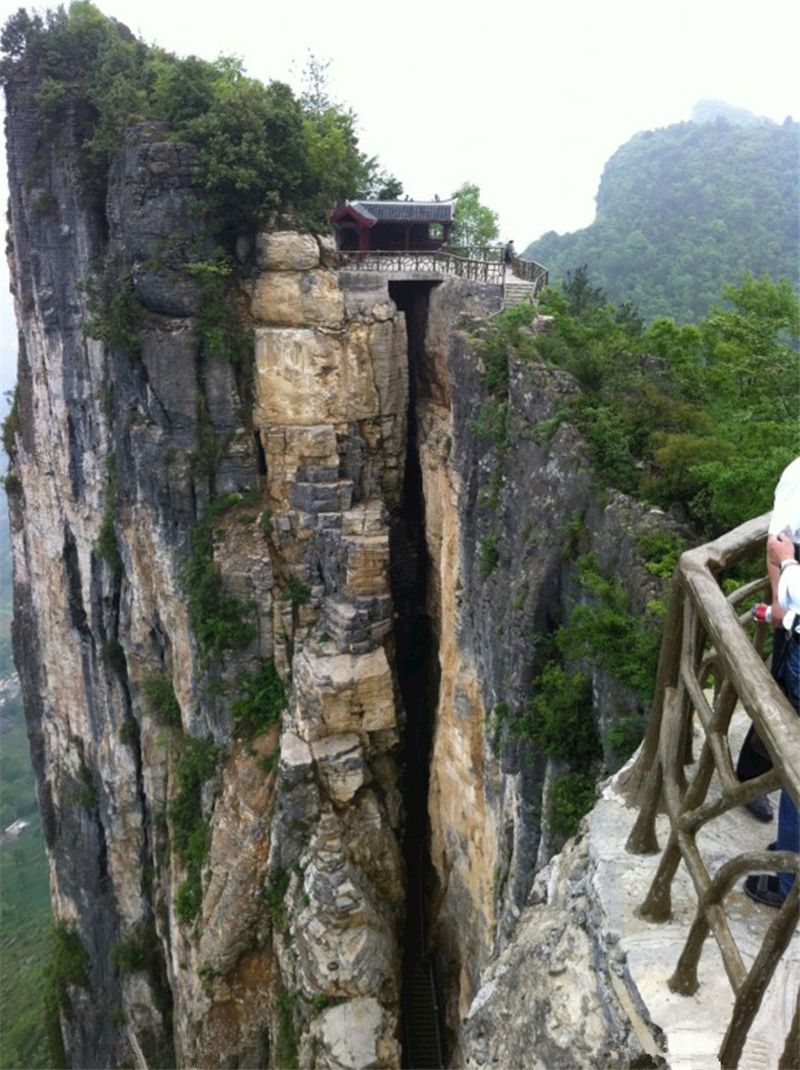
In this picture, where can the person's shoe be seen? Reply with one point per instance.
(764, 888)
(760, 808)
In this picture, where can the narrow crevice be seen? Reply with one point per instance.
(418, 679)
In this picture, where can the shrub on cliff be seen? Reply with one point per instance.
(69, 964)
(696, 416)
(161, 699)
(262, 699)
(217, 618)
(196, 764)
(559, 721)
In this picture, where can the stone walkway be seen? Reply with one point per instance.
(693, 1026)
(515, 290)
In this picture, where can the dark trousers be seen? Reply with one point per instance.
(753, 758)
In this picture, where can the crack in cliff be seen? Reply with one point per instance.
(418, 680)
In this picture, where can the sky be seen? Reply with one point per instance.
(526, 99)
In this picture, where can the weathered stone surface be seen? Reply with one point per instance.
(368, 518)
(291, 449)
(286, 250)
(223, 1017)
(231, 916)
(152, 182)
(296, 757)
(298, 299)
(548, 1001)
(357, 1035)
(307, 377)
(342, 938)
(343, 693)
(367, 567)
(340, 761)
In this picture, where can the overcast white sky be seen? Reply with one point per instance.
(527, 99)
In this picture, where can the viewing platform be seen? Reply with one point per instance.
(638, 945)
(717, 973)
(692, 1027)
(411, 241)
(521, 280)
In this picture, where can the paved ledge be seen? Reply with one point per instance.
(693, 1026)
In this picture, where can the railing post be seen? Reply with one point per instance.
(643, 781)
(709, 635)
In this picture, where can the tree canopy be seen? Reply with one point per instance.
(684, 210)
(261, 148)
(695, 416)
(474, 224)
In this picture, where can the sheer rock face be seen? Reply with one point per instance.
(488, 788)
(302, 882)
(559, 995)
(293, 933)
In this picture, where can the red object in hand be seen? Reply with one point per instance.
(762, 612)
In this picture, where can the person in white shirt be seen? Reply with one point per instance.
(784, 574)
(785, 520)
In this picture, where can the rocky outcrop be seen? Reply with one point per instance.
(224, 883)
(560, 995)
(537, 501)
(584, 982)
(225, 534)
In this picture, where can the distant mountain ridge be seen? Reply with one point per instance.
(709, 110)
(683, 210)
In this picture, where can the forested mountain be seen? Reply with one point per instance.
(683, 210)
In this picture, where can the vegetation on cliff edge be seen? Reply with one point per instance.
(696, 419)
(261, 148)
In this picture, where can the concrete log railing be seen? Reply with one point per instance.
(706, 636)
(530, 271)
(437, 262)
(478, 265)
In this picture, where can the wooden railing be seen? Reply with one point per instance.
(486, 264)
(437, 262)
(706, 638)
(530, 271)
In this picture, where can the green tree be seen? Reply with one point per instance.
(261, 149)
(474, 224)
(695, 416)
(683, 210)
(337, 169)
(253, 156)
(583, 298)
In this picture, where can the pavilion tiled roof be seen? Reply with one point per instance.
(404, 211)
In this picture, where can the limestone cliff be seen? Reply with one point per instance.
(224, 555)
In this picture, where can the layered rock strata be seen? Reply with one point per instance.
(188, 529)
(330, 404)
(124, 459)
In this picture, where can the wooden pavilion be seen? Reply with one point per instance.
(393, 225)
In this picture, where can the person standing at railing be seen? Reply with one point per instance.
(784, 575)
